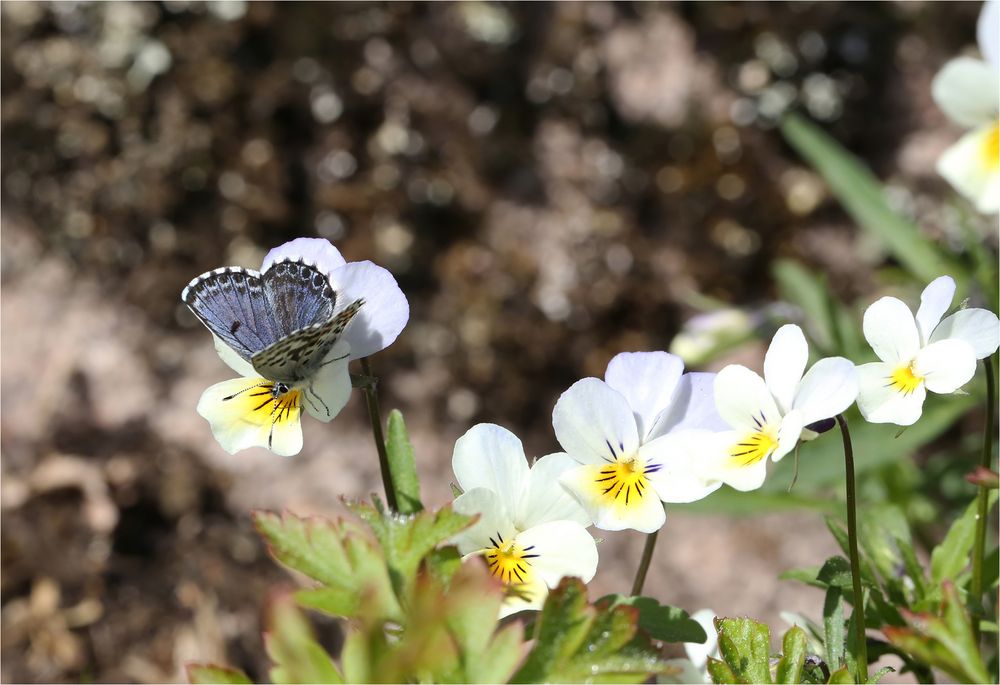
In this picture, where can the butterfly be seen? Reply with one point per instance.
(282, 321)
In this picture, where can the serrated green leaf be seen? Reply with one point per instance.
(863, 196)
(210, 674)
(954, 554)
(293, 649)
(833, 627)
(402, 466)
(407, 540)
(659, 621)
(793, 657)
(745, 645)
(341, 555)
(841, 676)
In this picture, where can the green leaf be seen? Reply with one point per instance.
(879, 674)
(406, 540)
(836, 572)
(864, 199)
(841, 676)
(290, 643)
(745, 645)
(720, 672)
(659, 621)
(402, 466)
(577, 643)
(954, 554)
(209, 674)
(793, 656)
(833, 627)
(341, 555)
(811, 293)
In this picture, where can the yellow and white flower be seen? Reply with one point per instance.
(530, 531)
(768, 416)
(921, 353)
(635, 436)
(968, 91)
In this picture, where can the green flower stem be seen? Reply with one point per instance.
(375, 415)
(979, 548)
(647, 557)
(861, 645)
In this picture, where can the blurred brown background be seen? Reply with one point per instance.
(550, 184)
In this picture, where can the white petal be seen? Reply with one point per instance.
(743, 399)
(647, 380)
(788, 435)
(233, 360)
(530, 597)
(594, 423)
(966, 89)
(692, 407)
(891, 330)
(988, 33)
(489, 456)
(784, 363)
(315, 251)
(934, 302)
(980, 328)
(564, 548)
(970, 167)
(720, 464)
(241, 417)
(945, 365)
(699, 653)
(879, 402)
(644, 514)
(682, 474)
(493, 519)
(827, 389)
(545, 499)
(328, 391)
(386, 310)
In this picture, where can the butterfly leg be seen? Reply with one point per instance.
(335, 359)
(316, 395)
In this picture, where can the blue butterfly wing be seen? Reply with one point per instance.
(298, 294)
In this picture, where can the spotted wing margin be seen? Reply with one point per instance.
(297, 356)
(232, 304)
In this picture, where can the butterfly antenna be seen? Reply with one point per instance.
(257, 385)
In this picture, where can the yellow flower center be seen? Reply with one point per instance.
(991, 148)
(754, 447)
(904, 380)
(508, 561)
(268, 404)
(623, 481)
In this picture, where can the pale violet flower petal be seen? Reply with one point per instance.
(544, 500)
(489, 456)
(788, 435)
(934, 302)
(682, 475)
(891, 330)
(316, 251)
(493, 519)
(881, 402)
(594, 423)
(564, 548)
(644, 514)
(970, 166)
(647, 380)
(232, 359)
(945, 365)
(980, 328)
(743, 399)
(827, 389)
(966, 89)
(239, 419)
(988, 33)
(384, 314)
(327, 392)
(692, 407)
(784, 363)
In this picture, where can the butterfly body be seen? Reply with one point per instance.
(282, 321)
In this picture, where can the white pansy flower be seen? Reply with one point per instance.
(256, 411)
(921, 353)
(635, 436)
(968, 91)
(530, 531)
(768, 416)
